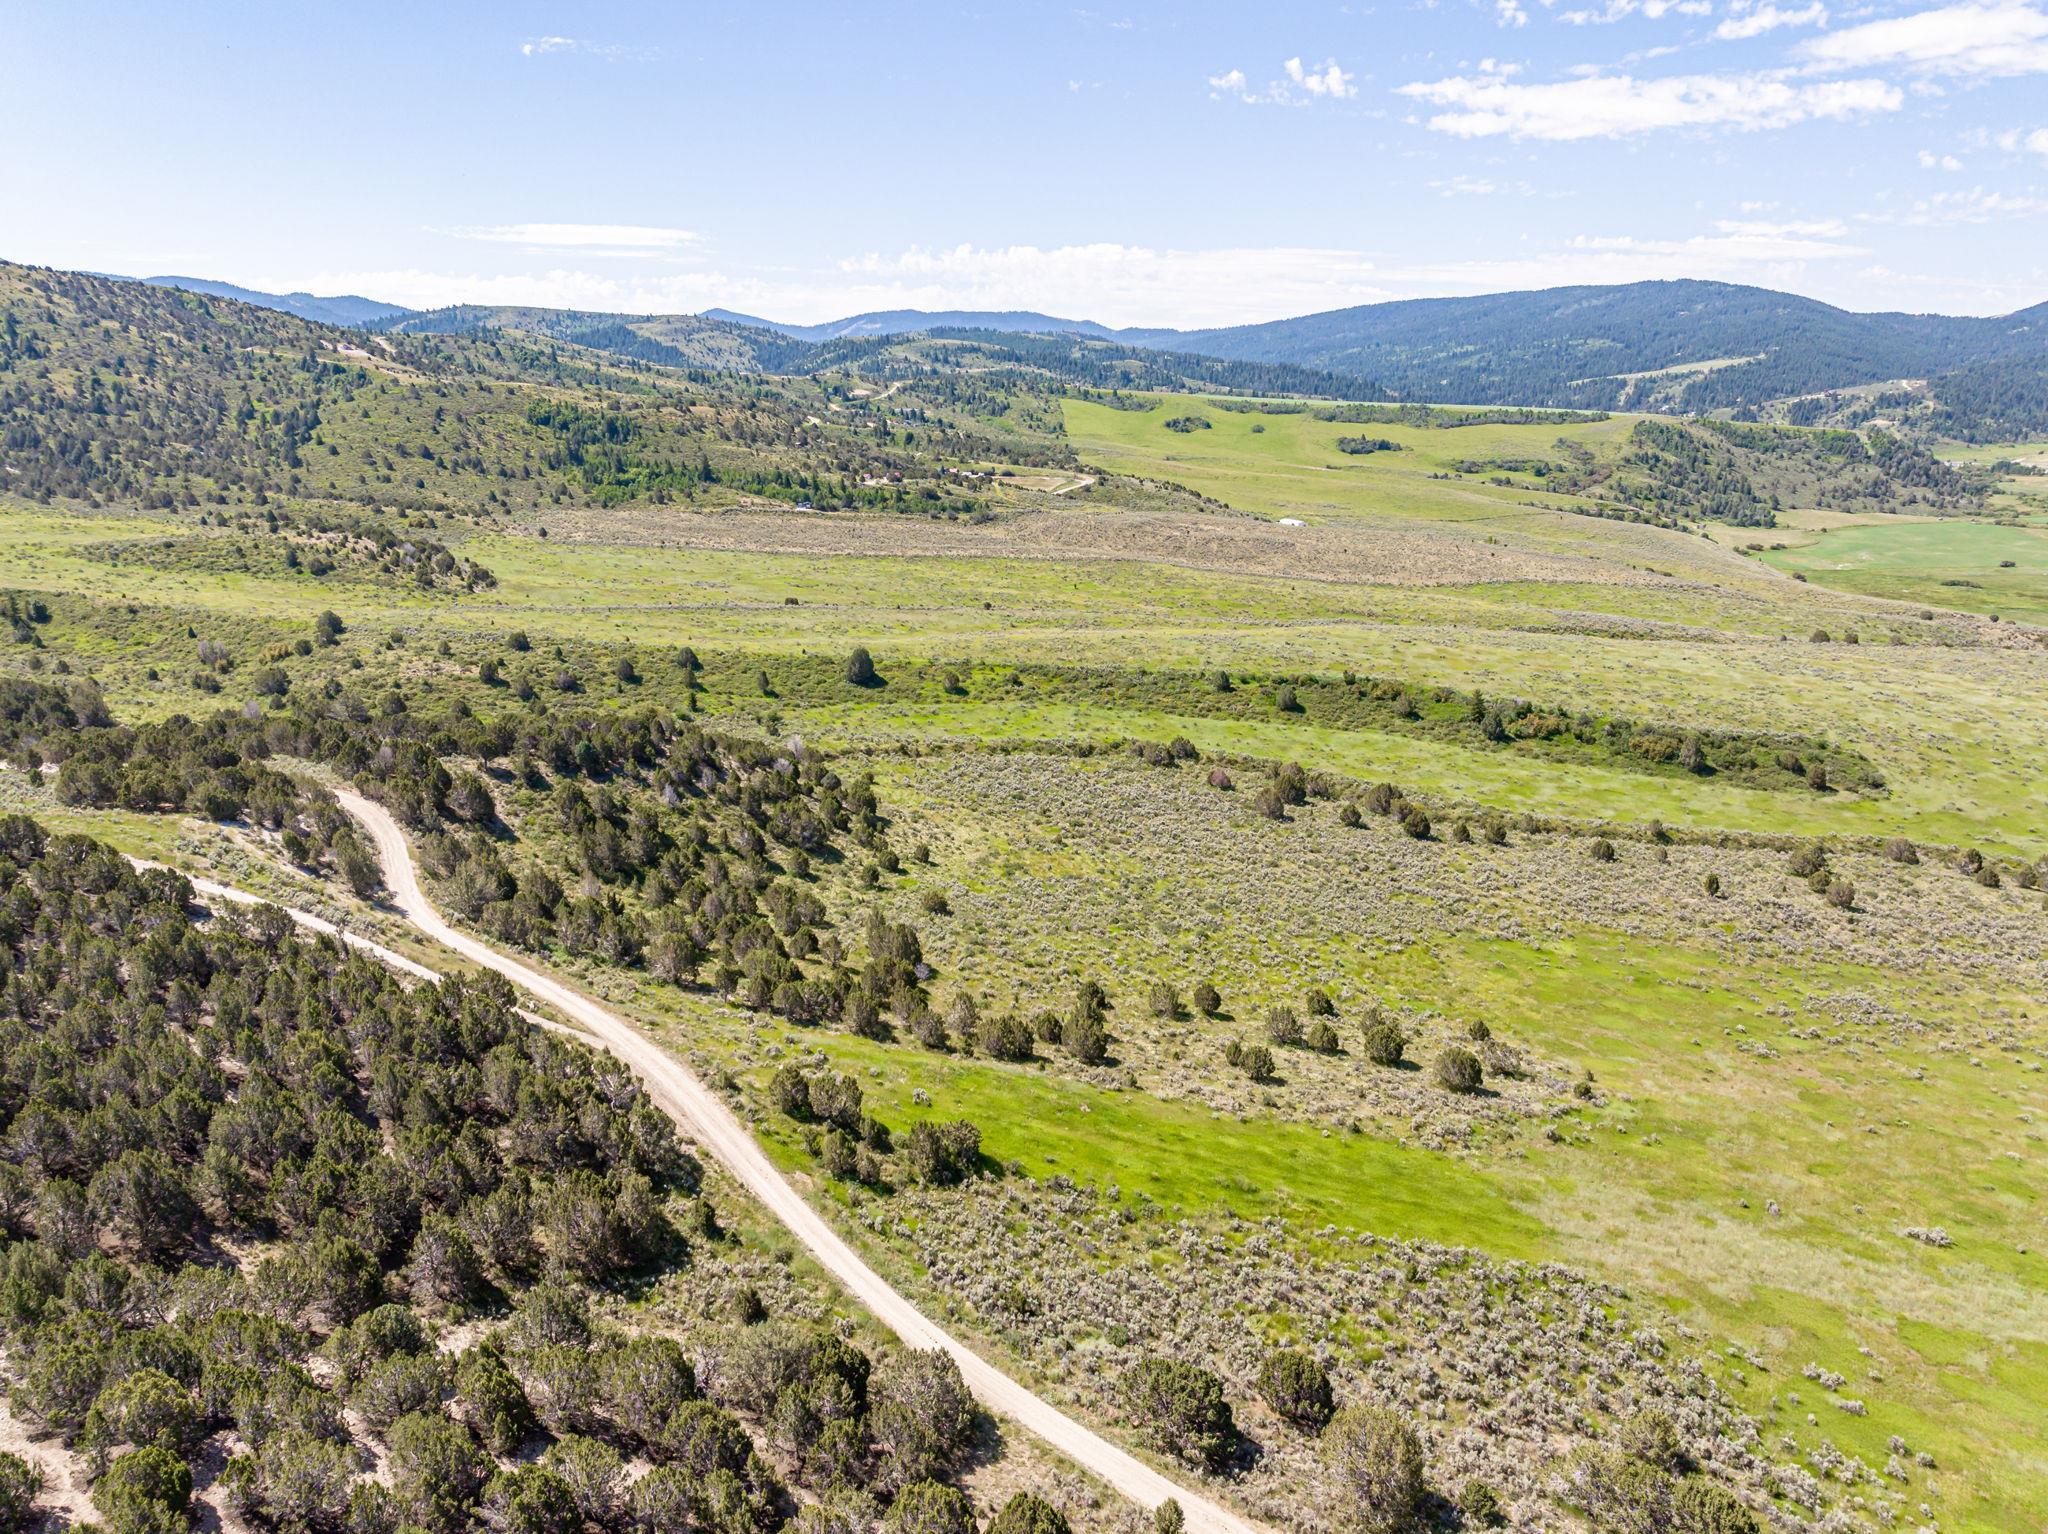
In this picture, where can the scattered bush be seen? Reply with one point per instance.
(1026, 1514)
(1297, 1387)
(1457, 1070)
(1376, 1460)
(1282, 1026)
(1480, 1506)
(1182, 1409)
(1651, 1436)
(928, 1507)
(1385, 1043)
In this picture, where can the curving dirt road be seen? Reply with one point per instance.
(707, 1120)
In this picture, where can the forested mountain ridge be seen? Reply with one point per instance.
(1719, 347)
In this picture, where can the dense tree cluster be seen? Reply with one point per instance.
(174, 1092)
(168, 1090)
(211, 767)
(1686, 471)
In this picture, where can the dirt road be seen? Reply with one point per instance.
(707, 1120)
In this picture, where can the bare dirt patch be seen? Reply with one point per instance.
(1224, 544)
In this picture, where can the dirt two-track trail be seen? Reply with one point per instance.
(705, 1118)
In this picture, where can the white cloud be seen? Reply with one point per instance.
(1929, 160)
(639, 238)
(1754, 22)
(1300, 85)
(1994, 39)
(2037, 142)
(1619, 10)
(1509, 13)
(1326, 79)
(536, 47)
(1616, 106)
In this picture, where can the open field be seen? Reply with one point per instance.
(1975, 566)
(1629, 958)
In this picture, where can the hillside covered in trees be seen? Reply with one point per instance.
(1693, 347)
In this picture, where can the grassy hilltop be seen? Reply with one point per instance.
(1660, 768)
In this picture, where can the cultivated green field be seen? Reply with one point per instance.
(1978, 567)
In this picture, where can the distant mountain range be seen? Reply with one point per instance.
(1592, 346)
(1718, 345)
(902, 322)
(341, 309)
(720, 342)
(1685, 347)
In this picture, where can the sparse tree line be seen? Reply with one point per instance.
(1352, 700)
(1434, 416)
(295, 541)
(1640, 1480)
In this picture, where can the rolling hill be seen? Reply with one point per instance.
(1685, 346)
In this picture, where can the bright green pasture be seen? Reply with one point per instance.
(1667, 1190)
(1290, 465)
(1924, 561)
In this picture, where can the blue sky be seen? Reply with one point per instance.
(1151, 163)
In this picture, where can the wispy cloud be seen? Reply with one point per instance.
(1980, 40)
(538, 47)
(1747, 21)
(639, 238)
(1298, 84)
(1480, 186)
(1621, 10)
(1619, 106)
(1929, 160)
(1975, 206)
